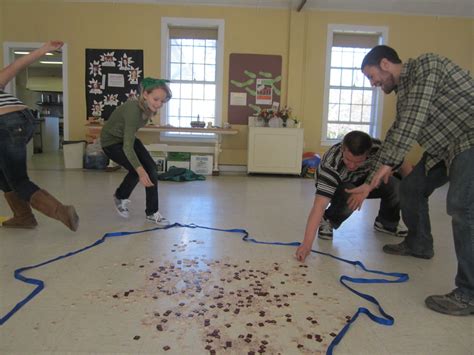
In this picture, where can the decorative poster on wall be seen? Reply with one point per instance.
(112, 77)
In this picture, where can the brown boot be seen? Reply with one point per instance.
(47, 204)
(22, 215)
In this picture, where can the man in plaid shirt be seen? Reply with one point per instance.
(435, 108)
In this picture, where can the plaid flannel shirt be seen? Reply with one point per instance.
(435, 108)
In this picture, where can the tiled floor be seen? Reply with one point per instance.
(203, 276)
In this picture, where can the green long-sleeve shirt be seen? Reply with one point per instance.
(122, 126)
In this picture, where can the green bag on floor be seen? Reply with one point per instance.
(180, 174)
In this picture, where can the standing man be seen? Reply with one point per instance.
(435, 108)
(347, 165)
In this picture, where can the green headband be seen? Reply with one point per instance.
(149, 83)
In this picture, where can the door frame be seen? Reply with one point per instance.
(8, 58)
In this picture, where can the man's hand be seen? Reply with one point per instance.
(144, 178)
(383, 173)
(302, 252)
(357, 197)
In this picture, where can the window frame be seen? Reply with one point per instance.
(376, 126)
(219, 24)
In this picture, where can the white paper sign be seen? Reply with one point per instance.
(238, 99)
(116, 80)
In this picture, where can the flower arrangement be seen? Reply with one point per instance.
(283, 113)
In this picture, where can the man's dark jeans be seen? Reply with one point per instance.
(115, 152)
(16, 130)
(389, 212)
(415, 190)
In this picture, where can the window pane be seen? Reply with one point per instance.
(346, 77)
(210, 55)
(209, 108)
(174, 121)
(338, 131)
(347, 59)
(175, 54)
(336, 58)
(356, 112)
(344, 112)
(359, 78)
(186, 72)
(175, 41)
(366, 113)
(187, 91)
(199, 42)
(185, 108)
(210, 73)
(199, 53)
(187, 55)
(346, 96)
(173, 107)
(333, 113)
(357, 97)
(198, 91)
(334, 95)
(335, 78)
(359, 57)
(367, 97)
(198, 73)
(188, 42)
(210, 92)
(175, 89)
(175, 71)
(198, 108)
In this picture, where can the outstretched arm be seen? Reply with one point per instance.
(314, 220)
(10, 71)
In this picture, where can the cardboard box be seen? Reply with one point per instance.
(178, 164)
(202, 164)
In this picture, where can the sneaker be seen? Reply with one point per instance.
(403, 249)
(122, 207)
(398, 231)
(454, 303)
(158, 219)
(325, 229)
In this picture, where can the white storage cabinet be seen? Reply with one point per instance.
(275, 150)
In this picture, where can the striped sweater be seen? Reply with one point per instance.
(332, 171)
(8, 100)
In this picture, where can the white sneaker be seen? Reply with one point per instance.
(122, 207)
(325, 229)
(158, 219)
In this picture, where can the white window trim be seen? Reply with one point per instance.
(332, 28)
(166, 22)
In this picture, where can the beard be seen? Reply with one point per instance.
(388, 84)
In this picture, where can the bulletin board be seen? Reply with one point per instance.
(254, 84)
(112, 77)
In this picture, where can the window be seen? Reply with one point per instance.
(350, 103)
(192, 59)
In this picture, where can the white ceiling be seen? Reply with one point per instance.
(461, 8)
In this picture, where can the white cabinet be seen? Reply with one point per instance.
(275, 150)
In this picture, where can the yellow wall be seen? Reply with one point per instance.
(299, 37)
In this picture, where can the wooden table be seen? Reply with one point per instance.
(94, 129)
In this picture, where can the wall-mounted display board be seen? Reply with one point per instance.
(254, 84)
(112, 77)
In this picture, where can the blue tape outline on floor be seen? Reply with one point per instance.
(386, 319)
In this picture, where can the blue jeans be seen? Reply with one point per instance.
(115, 153)
(415, 190)
(389, 211)
(16, 130)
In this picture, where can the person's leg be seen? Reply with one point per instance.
(115, 153)
(460, 206)
(149, 165)
(338, 211)
(415, 190)
(388, 218)
(16, 129)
